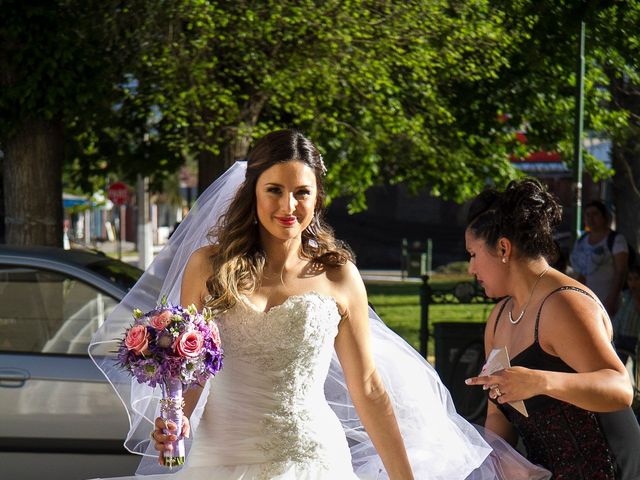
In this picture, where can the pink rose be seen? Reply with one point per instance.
(161, 321)
(137, 339)
(189, 344)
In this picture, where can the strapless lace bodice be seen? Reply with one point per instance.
(296, 336)
(267, 406)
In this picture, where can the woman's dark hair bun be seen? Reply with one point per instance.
(525, 212)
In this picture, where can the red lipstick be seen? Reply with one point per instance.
(287, 221)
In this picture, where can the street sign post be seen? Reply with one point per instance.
(118, 193)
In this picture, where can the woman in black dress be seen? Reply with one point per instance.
(558, 335)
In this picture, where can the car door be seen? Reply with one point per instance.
(59, 416)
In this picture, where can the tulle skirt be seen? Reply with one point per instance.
(440, 443)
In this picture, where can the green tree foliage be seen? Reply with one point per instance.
(52, 72)
(63, 69)
(406, 91)
(370, 81)
(537, 87)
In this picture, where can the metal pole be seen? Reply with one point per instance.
(578, 126)
(123, 229)
(404, 259)
(145, 244)
(425, 299)
(118, 223)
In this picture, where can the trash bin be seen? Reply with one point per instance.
(460, 355)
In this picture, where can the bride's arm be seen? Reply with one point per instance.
(353, 347)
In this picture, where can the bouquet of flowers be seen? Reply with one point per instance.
(174, 347)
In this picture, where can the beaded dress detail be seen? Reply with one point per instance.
(268, 416)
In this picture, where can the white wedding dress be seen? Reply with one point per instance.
(268, 415)
(280, 408)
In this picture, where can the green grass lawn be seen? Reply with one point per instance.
(398, 304)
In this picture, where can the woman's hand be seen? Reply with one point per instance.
(511, 384)
(162, 440)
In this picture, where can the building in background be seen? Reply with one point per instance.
(393, 214)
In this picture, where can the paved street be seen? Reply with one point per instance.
(130, 256)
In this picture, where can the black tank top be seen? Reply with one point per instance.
(571, 442)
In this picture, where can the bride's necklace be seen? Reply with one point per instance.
(524, 308)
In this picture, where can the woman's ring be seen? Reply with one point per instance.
(497, 391)
(151, 435)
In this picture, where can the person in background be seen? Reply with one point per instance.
(599, 260)
(576, 390)
(626, 323)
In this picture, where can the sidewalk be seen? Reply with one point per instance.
(127, 251)
(388, 276)
(130, 256)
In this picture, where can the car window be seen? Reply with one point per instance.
(47, 312)
(120, 273)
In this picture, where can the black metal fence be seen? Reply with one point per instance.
(459, 346)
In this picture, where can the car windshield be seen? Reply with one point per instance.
(120, 273)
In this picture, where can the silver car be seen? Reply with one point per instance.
(59, 418)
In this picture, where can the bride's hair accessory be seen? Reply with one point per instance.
(323, 167)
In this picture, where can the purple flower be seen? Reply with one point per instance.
(162, 358)
(165, 340)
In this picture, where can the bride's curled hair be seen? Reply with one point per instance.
(239, 260)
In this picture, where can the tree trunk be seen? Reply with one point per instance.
(626, 185)
(625, 154)
(236, 144)
(2, 215)
(210, 167)
(32, 184)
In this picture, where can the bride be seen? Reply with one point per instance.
(314, 386)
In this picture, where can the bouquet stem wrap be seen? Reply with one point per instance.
(171, 407)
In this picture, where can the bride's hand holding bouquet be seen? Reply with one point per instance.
(164, 436)
(177, 348)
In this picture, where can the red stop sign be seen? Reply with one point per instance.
(118, 193)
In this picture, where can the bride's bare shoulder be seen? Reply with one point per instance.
(200, 259)
(343, 273)
(346, 285)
